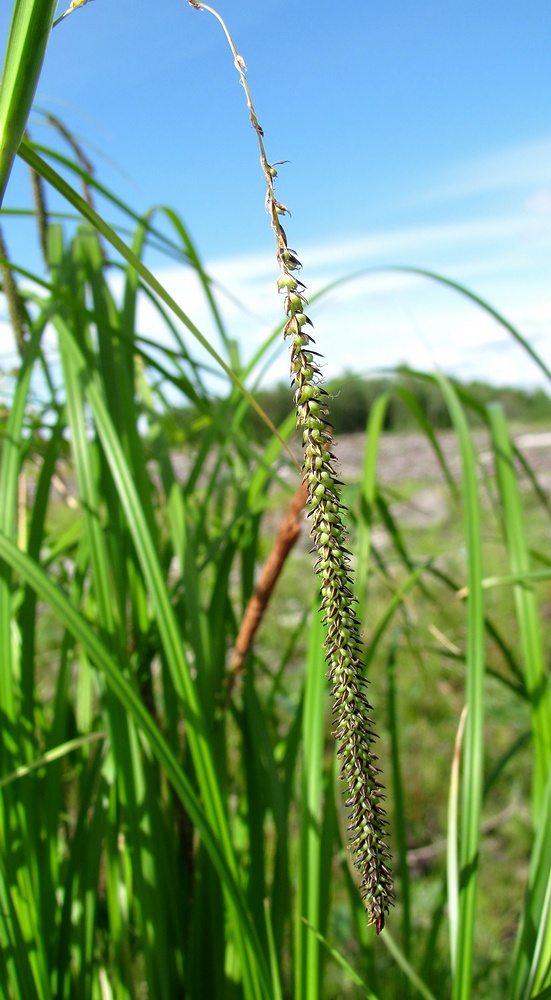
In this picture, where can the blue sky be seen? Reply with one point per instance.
(416, 133)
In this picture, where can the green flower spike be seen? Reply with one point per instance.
(354, 730)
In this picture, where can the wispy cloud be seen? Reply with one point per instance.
(526, 165)
(381, 318)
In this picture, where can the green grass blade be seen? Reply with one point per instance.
(544, 995)
(50, 756)
(159, 241)
(368, 487)
(473, 747)
(394, 603)
(14, 947)
(33, 160)
(527, 576)
(206, 282)
(514, 528)
(29, 33)
(345, 966)
(408, 969)
(453, 837)
(400, 824)
(425, 425)
(307, 983)
(482, 304)
(531, 959)
(277, 992)
(13, 446)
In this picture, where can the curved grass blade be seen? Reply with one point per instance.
(29, 33)
(390, 611)
(10, 466)
(164, 245)
(345, 966)
(408, 969)
(50, 756)
(485, 306)
(37, 163)
(425, 425)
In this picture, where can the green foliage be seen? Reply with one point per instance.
(353, 396)
(168, 829)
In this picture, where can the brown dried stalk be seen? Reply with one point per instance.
(289, 531)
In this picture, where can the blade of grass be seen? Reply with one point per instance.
(277, 992)
(50, 756)
(389, 612)
(14, 947)
(545, 995)
(408, 969)
(10, 467)
(482, 304)
(425, 425)
(29, 33)
(514, 521)
(33, 160)
(530, 960)
(345, 966)
(473, 754)
(308, 889)
(400, 822)
(368, 487)
(452, 853)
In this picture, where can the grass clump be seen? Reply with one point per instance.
(171, 826)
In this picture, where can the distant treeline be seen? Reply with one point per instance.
(351, 397)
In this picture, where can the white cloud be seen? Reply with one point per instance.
(525, 165)
(7, 343)
(540, 202)
(381, 317)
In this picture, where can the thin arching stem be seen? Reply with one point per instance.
(354, 730)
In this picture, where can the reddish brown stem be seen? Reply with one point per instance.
(287, 536)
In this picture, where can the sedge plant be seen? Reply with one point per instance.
(143, 813)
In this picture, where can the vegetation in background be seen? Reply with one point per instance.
(351, 398)
(170, 830)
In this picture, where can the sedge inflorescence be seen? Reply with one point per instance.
(353, 726)
(354, 730)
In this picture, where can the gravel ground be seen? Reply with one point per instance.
(402, 458)
(411, 457)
